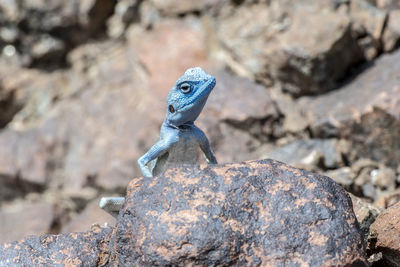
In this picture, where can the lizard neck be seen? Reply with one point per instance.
(182, 127)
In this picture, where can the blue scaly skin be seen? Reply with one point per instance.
(179, 137)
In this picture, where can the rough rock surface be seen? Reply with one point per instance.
(91, 101)
(385, 235)
(256, 213)
(306, 53)
(322, 57)
(75, 249)
(365, 111)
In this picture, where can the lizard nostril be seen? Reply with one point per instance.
(171, 109)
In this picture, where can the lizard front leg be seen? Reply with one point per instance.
(205, 146)
(113, 204)
(158, 149)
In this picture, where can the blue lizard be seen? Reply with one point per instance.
(180, 138)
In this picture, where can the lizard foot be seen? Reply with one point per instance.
(112, 205)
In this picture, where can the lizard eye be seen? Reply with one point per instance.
(185, 88)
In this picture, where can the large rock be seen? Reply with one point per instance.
(365, 111)
(75, 249)
(255, 213)
(307, 48)
(385, 235)
(314, 54)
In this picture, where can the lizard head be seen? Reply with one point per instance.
(188, 96)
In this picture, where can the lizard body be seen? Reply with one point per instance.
(180, 138)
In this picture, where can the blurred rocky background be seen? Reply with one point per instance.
(315, 84)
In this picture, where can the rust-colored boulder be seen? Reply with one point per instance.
(75, 249)
(385, 235)
(253, 213)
